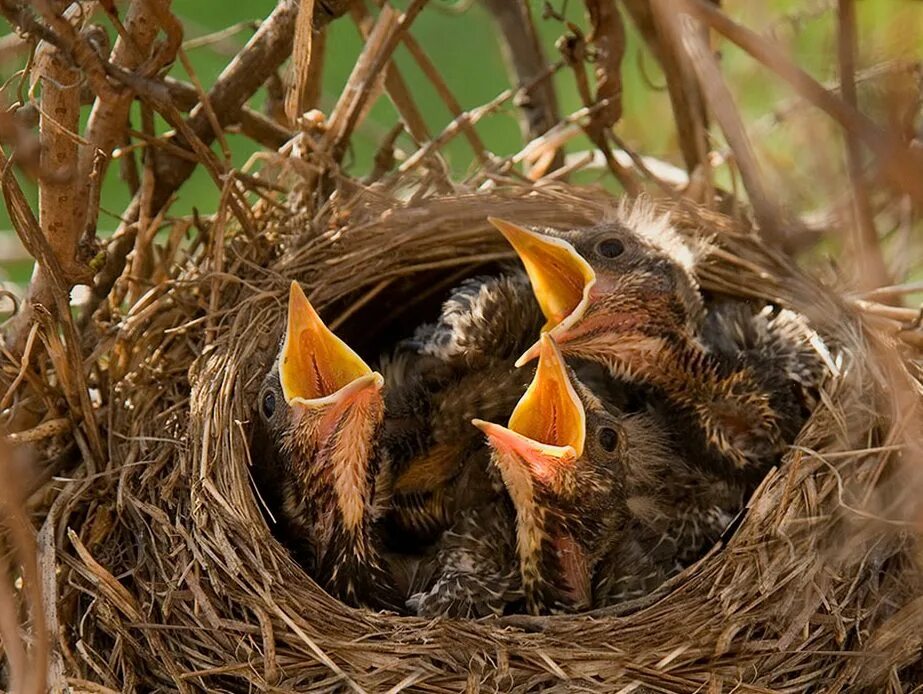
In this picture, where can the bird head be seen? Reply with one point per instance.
(624, 285)
(323, 407)
(560, 458)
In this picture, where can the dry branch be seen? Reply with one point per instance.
(527, 66)
(902, 165)
(775, 228)
(59, 202)
(253, 124)
(865, 246)
(686, 98)
(395, 85)
(266, 50)
(442, 89)
(298, 96)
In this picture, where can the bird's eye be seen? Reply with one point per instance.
(610, 248)
(268, 404)
(608, 439)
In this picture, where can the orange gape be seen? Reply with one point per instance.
(315, 363)
(547, 430)
(560, 277)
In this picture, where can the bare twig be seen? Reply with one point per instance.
(296, 99)
(109, 116)
(325, 11)
(71, 371)
(58, 123)
(369, 70)
(395, 85)
(29, 666)
(60, 111)
(607, 39)
(252, 123)
(866, 247)
(573, 49)
(526, 63)
(685, 96)
(267, 48)
(770, 218)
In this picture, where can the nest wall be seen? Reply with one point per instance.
(172, 577)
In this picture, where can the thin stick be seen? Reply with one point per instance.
(728, 116)
(302, 56)
(526, 63)
(866, 247)
(442, 89)
(395, 86)
(685, 96)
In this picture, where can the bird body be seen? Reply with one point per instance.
(476, 573)
(457, 368)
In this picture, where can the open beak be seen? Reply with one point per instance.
(547, 429)
(561, 278)
(317, 367)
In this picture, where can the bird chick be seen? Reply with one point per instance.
(624, 294)
(323, 409)
(563, 459)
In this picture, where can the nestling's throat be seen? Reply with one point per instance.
(727, 404)
(337, 475)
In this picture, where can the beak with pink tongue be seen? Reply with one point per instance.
(337, 408)
(547, 430)
(561, 279)
(316, 367)
(536, 455)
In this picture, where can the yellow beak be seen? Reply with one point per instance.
(547, 429)
(315, 365)
(561, 278)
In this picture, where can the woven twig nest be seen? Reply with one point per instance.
(178, 581)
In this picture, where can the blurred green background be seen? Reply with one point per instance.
(461, 40)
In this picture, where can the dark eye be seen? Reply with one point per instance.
(608, 439)
(268, 404)
(610, 248)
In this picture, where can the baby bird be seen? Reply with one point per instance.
(323, 409)
(624, 294)
(605, 508)
(452, 370)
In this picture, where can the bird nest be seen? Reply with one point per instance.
(171, 576)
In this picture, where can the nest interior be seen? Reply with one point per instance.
(171, 577)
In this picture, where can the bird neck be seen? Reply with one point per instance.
(553, 565)
(353, 570)
(723, 398)
(335, 495)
